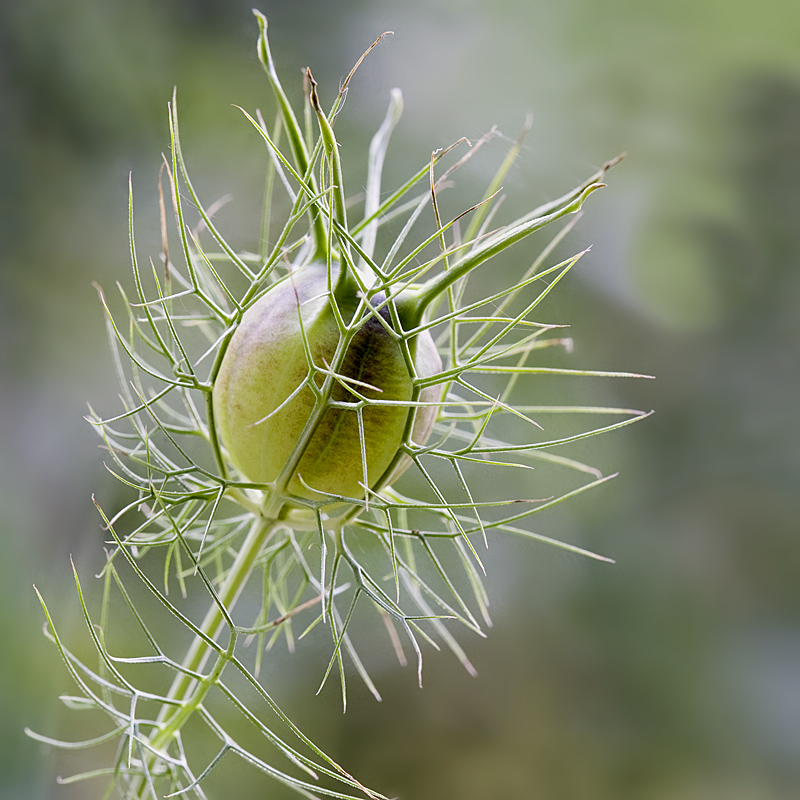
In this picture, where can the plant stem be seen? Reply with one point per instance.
(412, 304)
(188, 691)
(294, 134)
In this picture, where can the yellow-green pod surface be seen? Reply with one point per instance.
(266, 362)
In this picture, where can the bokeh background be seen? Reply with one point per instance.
(673, 675)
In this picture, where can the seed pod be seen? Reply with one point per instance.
(261, 422)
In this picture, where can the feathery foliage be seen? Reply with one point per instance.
(196, 529)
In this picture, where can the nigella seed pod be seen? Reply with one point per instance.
(281, 432)
(325, 387)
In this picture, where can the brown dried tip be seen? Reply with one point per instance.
(614, 161)
(313, 96)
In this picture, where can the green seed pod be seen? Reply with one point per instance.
(262, 409)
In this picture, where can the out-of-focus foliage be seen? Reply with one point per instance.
(670, 676)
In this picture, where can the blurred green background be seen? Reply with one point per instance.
(674, 675)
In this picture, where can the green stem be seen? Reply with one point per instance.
(332, 152)
(294, 133)
(331, 148)
(412, 304)
(186, 690)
